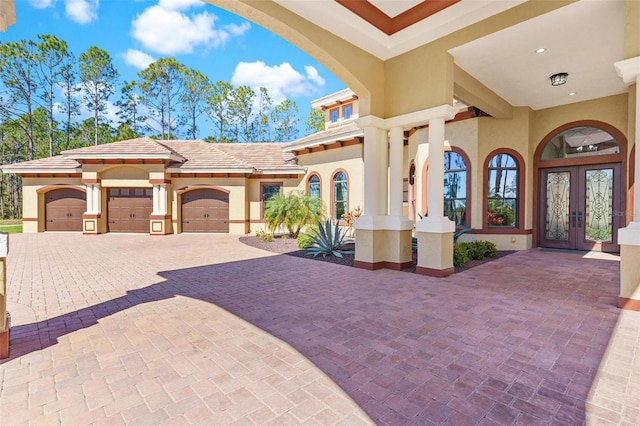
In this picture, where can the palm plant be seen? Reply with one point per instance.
(292, 212)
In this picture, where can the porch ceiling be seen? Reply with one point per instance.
(583, 38)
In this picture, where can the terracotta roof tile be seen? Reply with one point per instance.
(185, 155)
(140, 146)
(58, 162)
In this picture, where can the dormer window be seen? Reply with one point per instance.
(333, 115)
(346, 111)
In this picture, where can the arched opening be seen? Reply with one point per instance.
(581, 196)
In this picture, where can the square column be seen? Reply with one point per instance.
(382, 240)
(435, 232)
(629, 237)
(91, 218)
(159, 221)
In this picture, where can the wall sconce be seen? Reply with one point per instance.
(559, 79)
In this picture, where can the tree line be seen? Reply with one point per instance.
(44, 87)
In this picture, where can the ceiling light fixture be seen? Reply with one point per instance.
(541, 50)
(559, 79)
(572, 94)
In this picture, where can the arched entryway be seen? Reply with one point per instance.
(581, 187)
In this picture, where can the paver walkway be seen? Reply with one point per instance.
(200, 329)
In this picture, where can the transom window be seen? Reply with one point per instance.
(580, 141)
(502, 191)
(455, 188)
(340, 195)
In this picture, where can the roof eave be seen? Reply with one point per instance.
(208, 170)
(18, 171)
(324, 141)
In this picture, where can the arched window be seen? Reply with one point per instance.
(455, 188)
(340, 195)
(502, 191)
(313, 186)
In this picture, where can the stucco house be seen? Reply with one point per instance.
(160, 187)
(516, 118)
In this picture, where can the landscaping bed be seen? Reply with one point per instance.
(288, 246)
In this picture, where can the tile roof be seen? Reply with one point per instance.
(183, 156)
(51, 164)
(139, 147)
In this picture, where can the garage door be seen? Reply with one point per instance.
(205, 210)
(128, 209)
(64, 209)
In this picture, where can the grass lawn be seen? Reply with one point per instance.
(12, 226)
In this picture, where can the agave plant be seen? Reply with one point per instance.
(328, 239)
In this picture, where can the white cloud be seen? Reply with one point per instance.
(41, 4)
(137, 58)
(281, 81)
(82, 11)
(238, 30)
(166, 30)
(180, 4)
(312, 75)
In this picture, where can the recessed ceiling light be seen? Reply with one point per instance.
(572, 94)
(541, 50)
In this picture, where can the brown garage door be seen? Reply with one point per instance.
(128, 209)
(63, 209)
(205, 210)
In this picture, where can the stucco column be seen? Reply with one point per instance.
(396, 149)
(89, 195)
(163, 199)
(435, 232)
(382, 241)
(420, 179)
(375, 166)
(91, 219)
(96, 199)
(629, 237)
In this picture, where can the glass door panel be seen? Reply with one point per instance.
(558, 188)
(599, 206)
(578, 207)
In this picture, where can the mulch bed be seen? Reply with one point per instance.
(288, 246)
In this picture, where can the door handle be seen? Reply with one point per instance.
(579, 219)
(573, 219)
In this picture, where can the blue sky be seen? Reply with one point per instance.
(219, 44)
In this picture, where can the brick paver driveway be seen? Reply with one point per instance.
(200, 329)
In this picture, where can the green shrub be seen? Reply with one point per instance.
(329, 240)
(305, 239)
(490, 249)
(475, 249)
(460, 255)
(264, 236)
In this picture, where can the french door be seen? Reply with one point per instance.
(580, 207)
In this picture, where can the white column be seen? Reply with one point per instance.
(375, 167)
(156, 199)
(89, 195)
(163, 199)
(422, 153)
(435, 174)
(396, 151)
(629, 70)
(96, 199)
